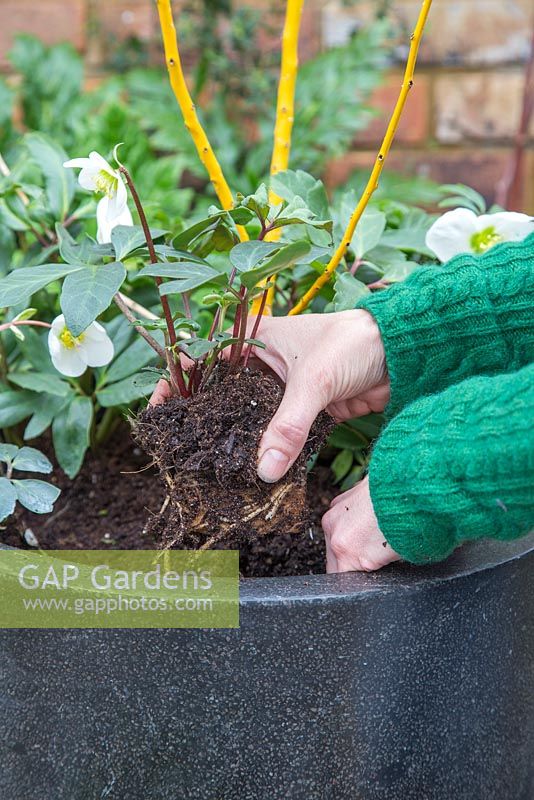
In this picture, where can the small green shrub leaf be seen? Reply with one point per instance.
(348, 290)
(8, 498)
(8, 452)
(283, 258)
(28, 459)
(246, 255)
(36, 496)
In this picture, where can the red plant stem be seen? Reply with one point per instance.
(256, 325)
(357, 263)
(214, 324)
(37, 323)
(242, 330)
(235, 350)
(265, 229)
(175, 368)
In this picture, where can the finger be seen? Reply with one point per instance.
(288, 430)
(161, 393)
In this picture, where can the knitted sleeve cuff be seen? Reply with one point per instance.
(472, 316)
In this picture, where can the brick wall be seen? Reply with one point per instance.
(460, 119)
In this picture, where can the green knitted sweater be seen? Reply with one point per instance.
(456, 461)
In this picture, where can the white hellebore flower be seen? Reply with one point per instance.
(98, 176)
(103, 234)
(461, 231)
(71, 355)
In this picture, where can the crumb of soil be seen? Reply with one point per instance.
(106, 507)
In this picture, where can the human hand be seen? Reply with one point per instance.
(354, 541)
(332, 362)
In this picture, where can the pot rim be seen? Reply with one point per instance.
(470, 559)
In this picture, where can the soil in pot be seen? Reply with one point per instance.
(205, 449)
(106, 507)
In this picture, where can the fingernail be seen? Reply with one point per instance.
(272, 466)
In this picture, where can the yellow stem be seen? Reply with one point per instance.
(377, 169)
(285, 114)
(187, 106)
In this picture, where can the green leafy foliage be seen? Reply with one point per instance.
(59, 182)
(48, 250)
(70, 431)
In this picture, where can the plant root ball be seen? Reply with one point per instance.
(206, 451)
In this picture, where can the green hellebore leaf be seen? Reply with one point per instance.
(46, 407)
(169, 253)
(123, 392)
(8, 498)
(36, 496)
(16, 406)
(127, 238)
(341, 464)
(188, 276)
(146, 381)
(22, 283)
(87, 252)
(88, 293)
(190, 234)
(70, 434)
(40, 382)
(60, 182)
(136, 355)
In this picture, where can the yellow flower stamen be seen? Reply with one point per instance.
(483, 240)
(106, 183)
(69, 341)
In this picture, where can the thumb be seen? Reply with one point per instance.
(288, 430)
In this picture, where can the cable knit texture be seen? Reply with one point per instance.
(457, 466)
(473, 316)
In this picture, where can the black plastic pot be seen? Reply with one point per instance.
(409, 684)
